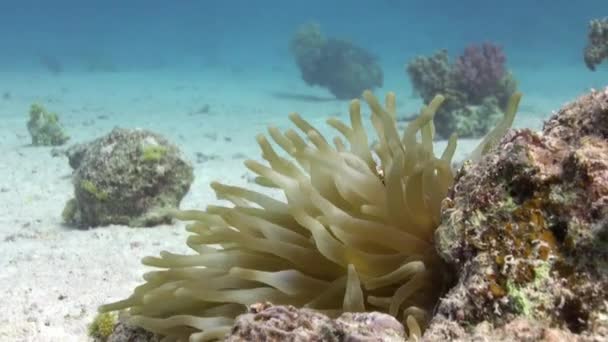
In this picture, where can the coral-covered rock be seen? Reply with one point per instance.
(126, 177)
(476, 87)
(124, 332)
(265, 322)
(526, 228)
(597, 45)
(342, 67)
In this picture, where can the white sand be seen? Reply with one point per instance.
(53, 277)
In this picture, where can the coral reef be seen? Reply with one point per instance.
(44, 127)
(355, 233)
(126, 177)
(526, 228)
(477, 88)
(265, 322)
(597, 45)
(345, 69)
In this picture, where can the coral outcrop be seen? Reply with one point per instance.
(129, 177)
(526, 229)
(597, 43)
(342, 67)
(477, 88)
(44, 127)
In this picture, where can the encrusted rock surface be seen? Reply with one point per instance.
(526, 231)
(126, 177)
(265, 322)
(518, 330)
(596, 50)
(124, 332)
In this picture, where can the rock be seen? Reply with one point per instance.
(124, 332)
(128, 177)
(526, 230)
(265, 322)
(596, 49)
(520, 329)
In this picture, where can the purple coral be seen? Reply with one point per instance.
(480, 69)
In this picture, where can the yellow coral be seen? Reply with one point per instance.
(154, 153)
(103, 325)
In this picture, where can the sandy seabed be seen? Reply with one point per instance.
(52, 276)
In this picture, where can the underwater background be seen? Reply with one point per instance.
(209, 76)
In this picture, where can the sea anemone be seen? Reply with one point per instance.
(354, 231)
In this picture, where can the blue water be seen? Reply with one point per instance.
(178, 34)
(155, 49)
(242, 46)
